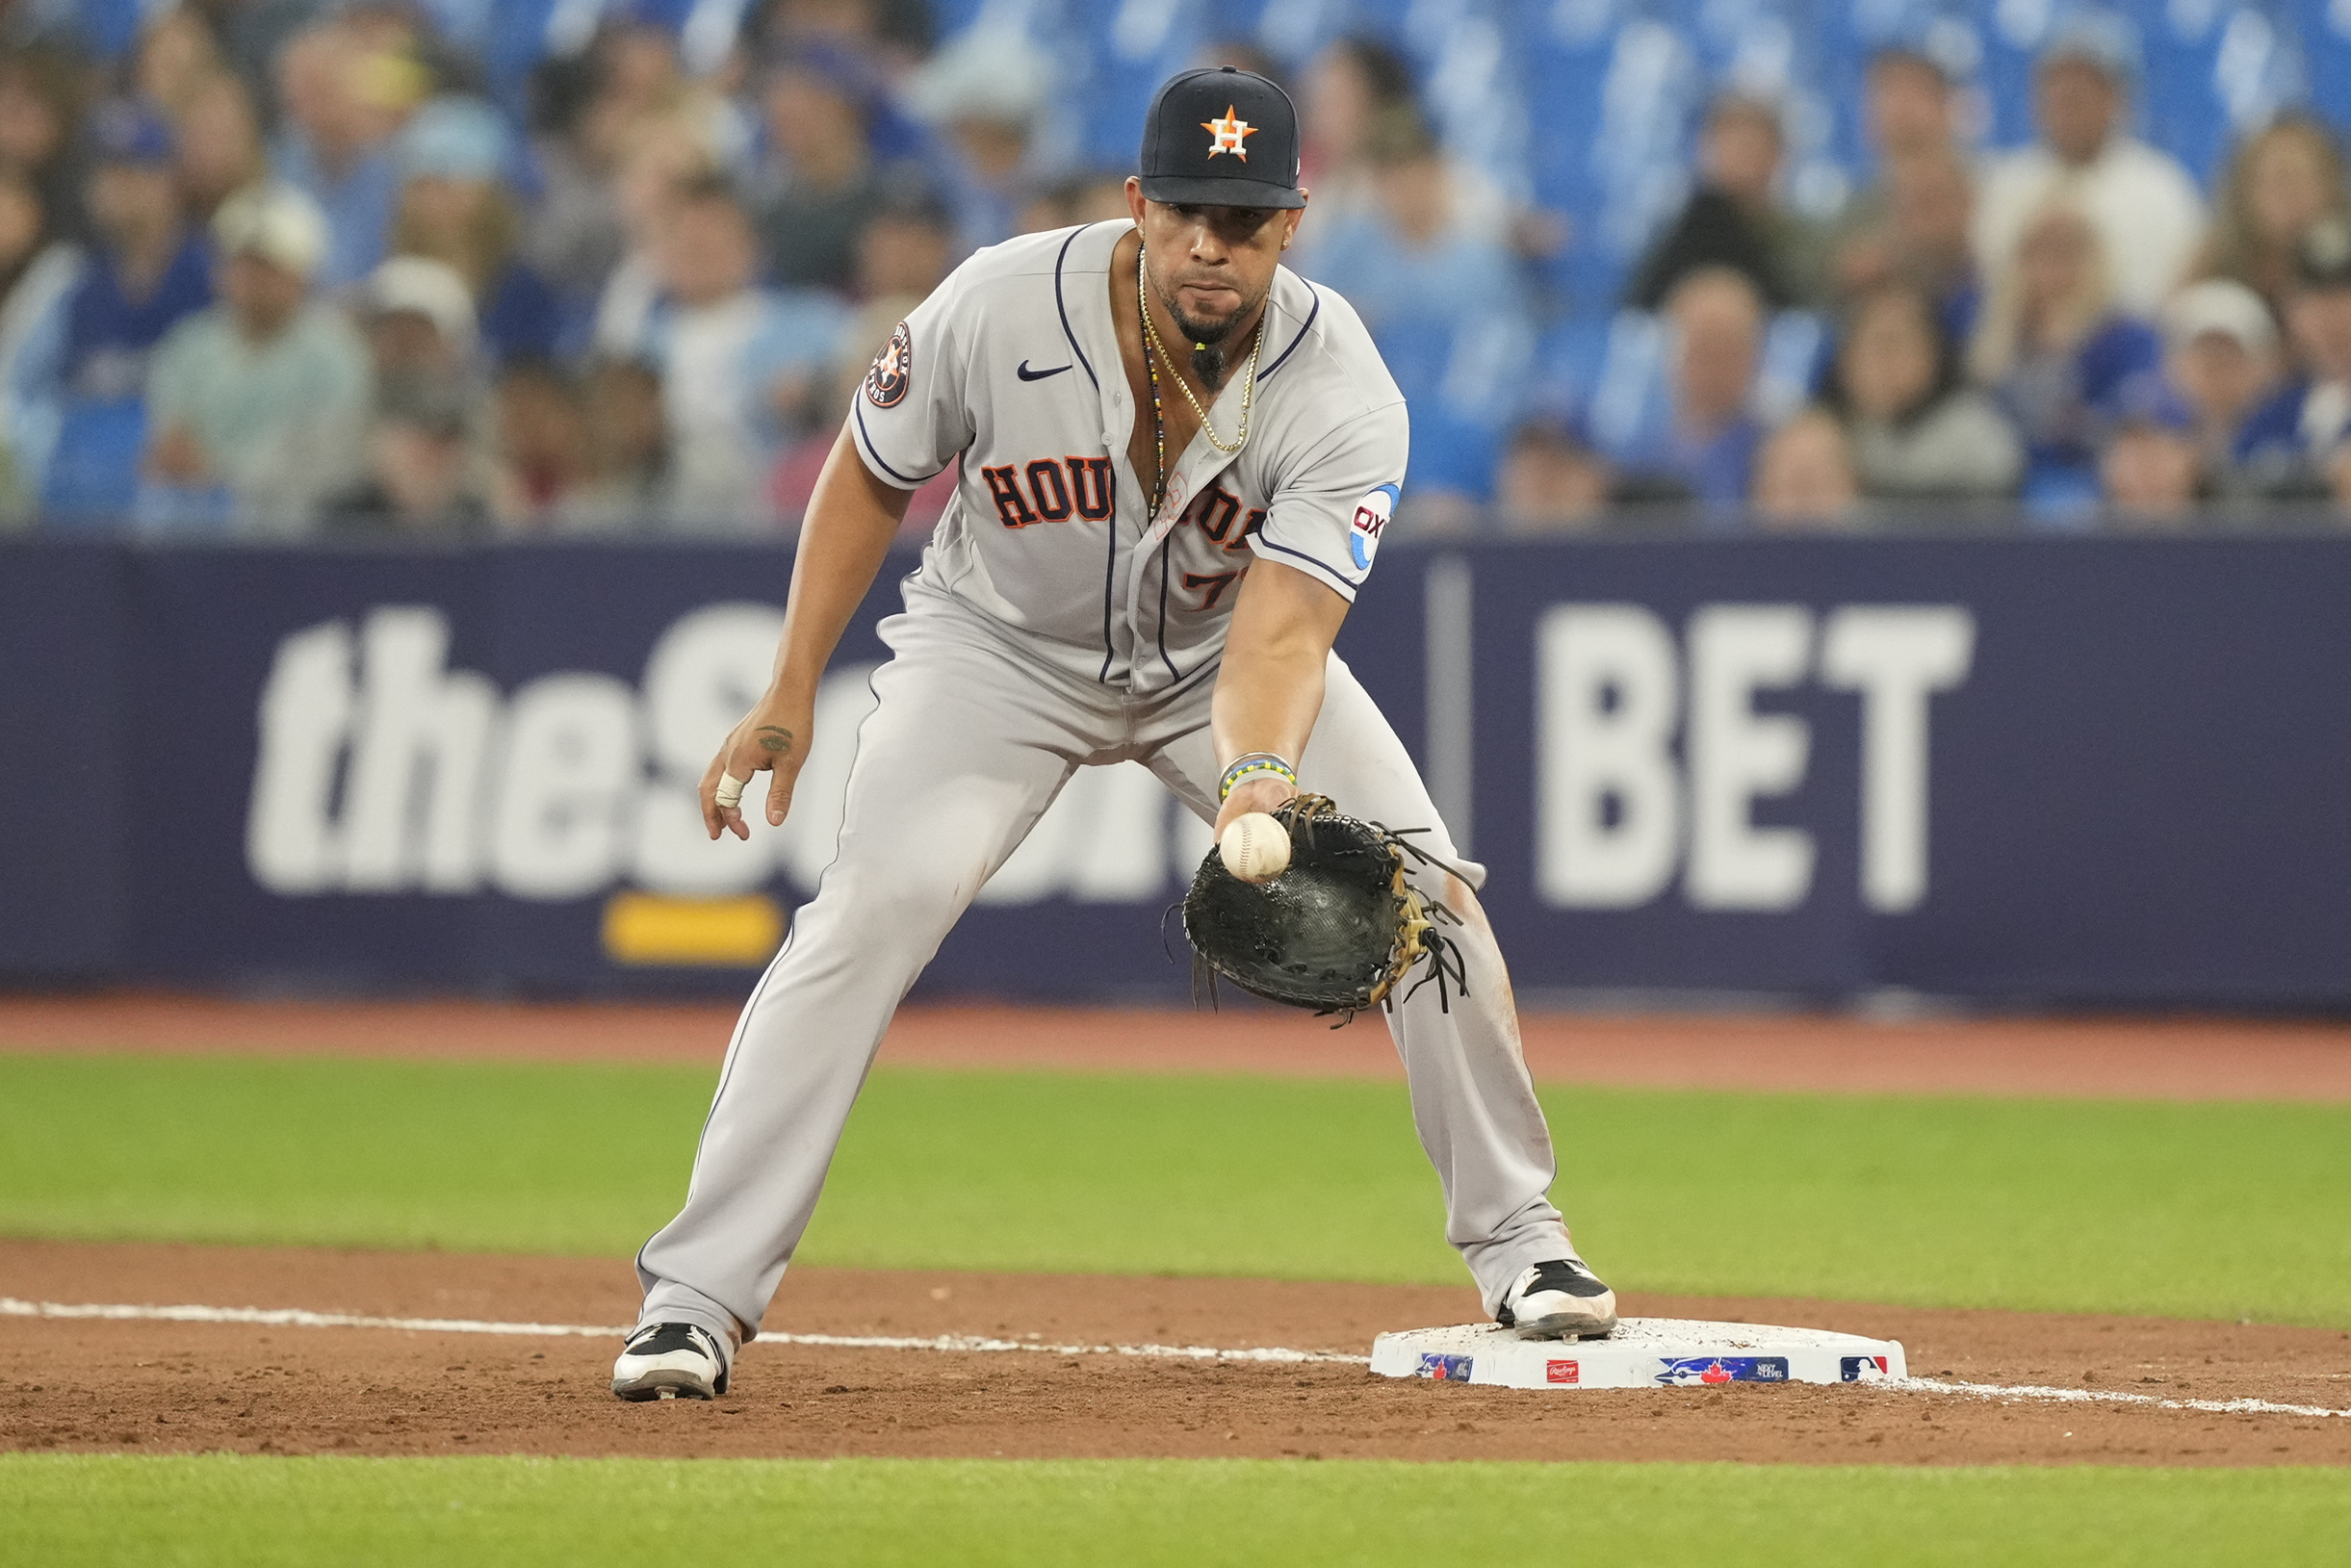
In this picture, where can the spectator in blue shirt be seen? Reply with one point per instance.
(332, 147)
(1705, 450)
(742, 366)
(455, 207)
(2222, 390)
(146, 271)
(1444, 303)
(2063, 361)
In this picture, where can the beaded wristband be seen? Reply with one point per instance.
(1249, 766)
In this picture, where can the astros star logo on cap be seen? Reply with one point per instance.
(1228, 132)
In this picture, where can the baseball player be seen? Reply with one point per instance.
(1178, 460)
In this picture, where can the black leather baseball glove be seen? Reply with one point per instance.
(1335, 932)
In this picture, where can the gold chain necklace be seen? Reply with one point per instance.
(1249, 388)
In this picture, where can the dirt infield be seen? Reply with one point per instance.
(2185, 1058)
(150, 1386)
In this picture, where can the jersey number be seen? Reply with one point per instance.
(1211, 586)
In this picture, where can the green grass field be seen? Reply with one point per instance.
(253, 1513)
(2212, 1211)
(2203, 1211)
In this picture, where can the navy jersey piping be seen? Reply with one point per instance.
(1110, 578)
(1062, 305)
(1263, 543)
(1165, 545)
(864, 437)
(1282, 358)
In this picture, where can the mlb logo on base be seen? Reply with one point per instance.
(1860, 1369)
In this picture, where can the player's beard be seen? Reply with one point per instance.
(1208, 338)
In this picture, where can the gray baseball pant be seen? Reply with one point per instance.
(969, 743)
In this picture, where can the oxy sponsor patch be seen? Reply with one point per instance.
(1371, 518)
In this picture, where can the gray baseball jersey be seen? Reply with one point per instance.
(1014, 364)
(1113, 617)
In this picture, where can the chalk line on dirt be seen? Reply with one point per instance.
(299, 1318)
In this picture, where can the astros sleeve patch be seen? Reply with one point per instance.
(908, 416)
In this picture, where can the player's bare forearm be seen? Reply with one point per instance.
(1270, 688)
(851, 518)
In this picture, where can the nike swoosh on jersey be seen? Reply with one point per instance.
(1027, 374)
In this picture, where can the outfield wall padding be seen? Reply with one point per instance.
(2082, 771)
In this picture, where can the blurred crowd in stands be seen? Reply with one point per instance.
(307, 269)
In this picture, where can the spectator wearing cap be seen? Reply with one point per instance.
(823, 183)
(740, 366)
(2065, 363)
(2222, 390)
(2144, 206)
(1733, 218)
(146, 271)
(456, 209)
(985, 89)
(258, 402)
(342, 104)
(418, 317)
(1916, 430)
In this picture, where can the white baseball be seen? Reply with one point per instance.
(1256, 847)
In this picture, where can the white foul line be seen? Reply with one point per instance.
(2098, 1396)
(298, 1318)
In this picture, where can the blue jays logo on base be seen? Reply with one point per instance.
(1859, 1369)
(1372, 514)
(893, 370)
(1444, 1369)
(1725, 1369)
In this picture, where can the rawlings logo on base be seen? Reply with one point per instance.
(1563, 1372)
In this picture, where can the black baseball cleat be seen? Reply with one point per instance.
(1558, 1299)
(670, 1361)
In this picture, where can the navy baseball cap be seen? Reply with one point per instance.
(1222, 137)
